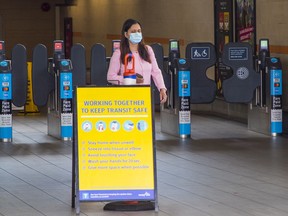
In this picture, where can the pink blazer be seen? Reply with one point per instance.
(146, 69)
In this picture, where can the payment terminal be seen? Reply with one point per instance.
(264, 53)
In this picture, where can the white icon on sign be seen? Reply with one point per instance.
(85, 195)
(196, 53)
(204, 53)
(100, 126)
(128, 125)
(86, 126)
(142, 125)
(114, 126)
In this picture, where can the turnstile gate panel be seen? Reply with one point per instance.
(79, 64)
(201, 57)
(159, 55)
(240, 87)
(43, 81)
(98, 65)
(19, 75)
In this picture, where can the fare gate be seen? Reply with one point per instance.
(201, 57)
(241, 86)
(188, 75)
(265, 112)
(52, 84)
(159, 54)
(13, 75)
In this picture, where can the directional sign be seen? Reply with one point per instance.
(200, 53)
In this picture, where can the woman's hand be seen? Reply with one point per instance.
(139, 79)
(163, 95)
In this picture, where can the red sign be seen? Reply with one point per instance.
(58, 46)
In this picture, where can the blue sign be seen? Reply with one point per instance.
(182, 61)
(184, 100)
(184, 83)
(6, 104)
(276, 100)
(276, 82)
(66, 96)
(238, 53)
(6, 86)
(100, 195)
(274, 60)
(200, 53)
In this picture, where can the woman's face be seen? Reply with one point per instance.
(133, 29)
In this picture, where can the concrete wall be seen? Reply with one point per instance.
(26, 23)
(99, 21)
(95, 20)
(190, 21)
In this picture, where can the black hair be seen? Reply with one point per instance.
(124, 44)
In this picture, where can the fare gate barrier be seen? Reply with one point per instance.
(159, 55)
(79, 64)
(100, 62)
(54, 87)
(265, 112)
(6, 101)
(20, 75)
(13, 75)
(50, 88)
(190, 83)
(201, 56)
(240, 88)
(98, 65)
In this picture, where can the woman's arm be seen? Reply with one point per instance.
(156, 73)
(113, 74)
(157, 76)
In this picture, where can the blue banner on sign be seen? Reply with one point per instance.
(200, 53)
(106, 195)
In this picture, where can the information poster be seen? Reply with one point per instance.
(115, 143)
(223, 35)
(245, 20)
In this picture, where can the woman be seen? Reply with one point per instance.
(144, 57)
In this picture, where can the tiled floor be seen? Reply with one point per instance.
(224, 169)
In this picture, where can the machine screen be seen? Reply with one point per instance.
(174, 45)
(264, 45)
(116, 45)
(58, 47)
(1, 46)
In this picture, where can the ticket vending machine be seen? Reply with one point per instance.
(60, 114)
(265, 113)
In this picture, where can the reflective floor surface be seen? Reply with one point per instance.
(223, 169)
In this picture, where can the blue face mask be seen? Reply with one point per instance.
(136, 37)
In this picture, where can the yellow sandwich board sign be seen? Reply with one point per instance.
(115, 143)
